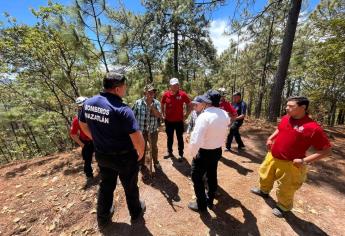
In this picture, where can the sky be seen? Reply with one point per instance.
(21, 10)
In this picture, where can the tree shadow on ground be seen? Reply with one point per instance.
(71, 170)
(125, 229)
(252, 156)
(182, 166)
(329, 172)
(224, 223)
(22, 168)
(230, 163)
(167, 187)
(300, 226)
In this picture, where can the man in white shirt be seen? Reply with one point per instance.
(206, 147)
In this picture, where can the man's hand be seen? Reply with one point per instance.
(140, 156)
(138, 143)
(298, 162)
(187, 138)
(269, 144)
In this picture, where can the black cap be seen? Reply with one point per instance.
(212, 96)
(201, 99)
(113, 79)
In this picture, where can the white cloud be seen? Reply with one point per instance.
(220, 40)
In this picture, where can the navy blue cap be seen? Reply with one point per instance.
(212, 97)
(200, 99)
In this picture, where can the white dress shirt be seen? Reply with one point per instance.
(210, 130)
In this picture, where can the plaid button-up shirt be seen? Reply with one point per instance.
(147, 121)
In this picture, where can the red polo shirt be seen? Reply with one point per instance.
(174, 105)
(296, 136)
(75, 128)
(226, 106)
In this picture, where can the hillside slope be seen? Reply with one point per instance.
(45, 196)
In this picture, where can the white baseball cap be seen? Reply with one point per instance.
(80, 100)
(174, 81)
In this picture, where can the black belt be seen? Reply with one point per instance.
(85, 141)
(115, 153)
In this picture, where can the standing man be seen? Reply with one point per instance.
(226, 105)
(198, 106)
(84, 142)
(206, 148)
(286, 159)
(172, 104)
(119, 145)
(147, 111)
(241, 109)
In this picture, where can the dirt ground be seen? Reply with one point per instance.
(45, 196)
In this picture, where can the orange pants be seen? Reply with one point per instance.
(289, 179)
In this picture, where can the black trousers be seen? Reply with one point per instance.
(126, 167)
(87, 152)
(235, 132)
(170, 127)
(205, 162)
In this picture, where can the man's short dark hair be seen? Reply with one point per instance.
(300, 100)
(237, 94)
(113, 80)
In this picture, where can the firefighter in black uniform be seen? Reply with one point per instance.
(119, 145)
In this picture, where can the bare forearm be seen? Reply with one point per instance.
(163, 111)
(188, 111)
(241, 117)
(138, 143)
(85, 128)
(77, 140)
(274, 135)
(155, 112)
(317, 156)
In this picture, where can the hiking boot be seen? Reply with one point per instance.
(89, 182)
(258, 192)
(157, 166)
(140, 215)
(168, 155)
(180, 158)
(241, 148)
(278, 212)
(210, 204)
(194, 207)
(104, 222)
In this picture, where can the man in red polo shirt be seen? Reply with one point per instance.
(286, 159)
(172, 105)
(84, 141)
(226, 105)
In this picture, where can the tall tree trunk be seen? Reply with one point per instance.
(331, 113)
(236, 59)
(32, 137)
(175, 51)
(340, 118)
(264, 71)
(97, 26)
(250, 102)
(149, 68)
(284, 60)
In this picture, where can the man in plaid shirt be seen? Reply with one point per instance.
(147, 111)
